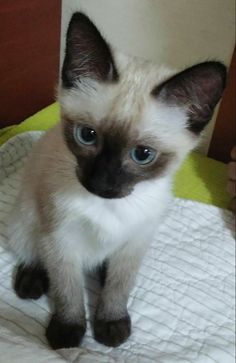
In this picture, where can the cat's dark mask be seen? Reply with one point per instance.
(110, 163)
(127, 121)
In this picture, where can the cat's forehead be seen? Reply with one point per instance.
(126, 100)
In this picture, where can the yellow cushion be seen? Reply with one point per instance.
(41, 120)
(202, 179)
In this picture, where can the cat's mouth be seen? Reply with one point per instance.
(107, 194)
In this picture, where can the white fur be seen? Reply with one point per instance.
(101, 226)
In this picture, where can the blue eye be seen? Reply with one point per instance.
(85, 135)
(143, 155)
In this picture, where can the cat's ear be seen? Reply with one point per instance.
(87, 54)
(198, 89)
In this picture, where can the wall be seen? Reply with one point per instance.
(176, 32)
(29, 57)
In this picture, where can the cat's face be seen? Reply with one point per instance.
(125, 120)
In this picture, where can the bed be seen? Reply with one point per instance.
(183, 303)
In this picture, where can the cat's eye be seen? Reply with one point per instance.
(85, 135)
(143, 155)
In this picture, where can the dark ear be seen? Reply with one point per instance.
(198, 88)
(87, 54)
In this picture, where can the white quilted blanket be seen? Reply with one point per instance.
(182, 306)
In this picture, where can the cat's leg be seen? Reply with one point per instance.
(68, 324)
(30, 280)
(112, 324)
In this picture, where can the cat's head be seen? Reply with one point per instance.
(127, 120)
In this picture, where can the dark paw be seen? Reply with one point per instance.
(102, 273)
(64, 335)
(112, 333)
(31, 282)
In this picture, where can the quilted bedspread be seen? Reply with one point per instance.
(182, 306)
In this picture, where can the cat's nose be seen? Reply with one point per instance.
(103, 185)
(105, 177)
(102, 190)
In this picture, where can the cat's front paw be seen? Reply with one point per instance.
(31, 282)
(64, 335)
(112, 333)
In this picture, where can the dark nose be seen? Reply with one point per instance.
(104, 178)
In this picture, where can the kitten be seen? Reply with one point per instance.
(98, 184)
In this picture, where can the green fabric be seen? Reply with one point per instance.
(199, 178)
(202, 179)
(42, 120)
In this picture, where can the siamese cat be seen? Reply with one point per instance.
(98, 184)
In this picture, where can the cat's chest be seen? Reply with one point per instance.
(92, 241)
(103, 226)
(96, 227)
(96, 230)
